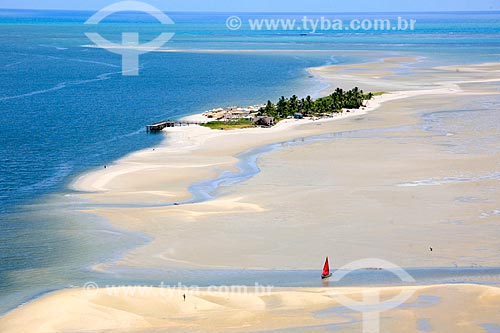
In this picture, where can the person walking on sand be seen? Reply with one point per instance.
(184, 296)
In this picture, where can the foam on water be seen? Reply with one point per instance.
(451, 180)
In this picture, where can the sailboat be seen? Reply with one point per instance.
(326, 270)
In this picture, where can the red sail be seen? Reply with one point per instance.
(326, 269)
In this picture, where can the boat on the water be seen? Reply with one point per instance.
(326, 270)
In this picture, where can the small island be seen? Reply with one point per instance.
(267, 115)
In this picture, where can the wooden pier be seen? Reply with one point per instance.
(160, 126)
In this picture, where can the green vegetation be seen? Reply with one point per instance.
(380, 93)
(295, 107)
(228, 125)
(334, 103)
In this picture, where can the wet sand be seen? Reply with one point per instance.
(390, 182)
(443, 308)
(360, 193)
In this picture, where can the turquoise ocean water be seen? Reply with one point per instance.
(65, 108)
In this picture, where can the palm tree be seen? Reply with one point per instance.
(336, 102)
(281, 107)
(293, 105)
(308, 105)
(270, 110)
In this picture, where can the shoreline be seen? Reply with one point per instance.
(104, 186)
(283, 125)
(176, 139)
(183, 140)
(183, 310)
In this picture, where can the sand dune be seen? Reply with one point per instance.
(444, 308)
(353, 196)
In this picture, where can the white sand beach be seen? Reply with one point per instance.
(350, 197)
(383, 187)
(444, 308)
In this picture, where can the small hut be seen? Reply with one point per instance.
(264, 121)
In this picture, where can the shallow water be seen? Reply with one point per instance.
(66, 109)
(491, 328)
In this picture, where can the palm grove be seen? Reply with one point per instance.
(334, 103)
